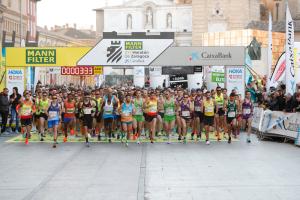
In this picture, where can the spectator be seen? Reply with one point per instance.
(296, 105)
(14, 100)
(4, 109)
(289, 104)
(273, 102)
(280, 100)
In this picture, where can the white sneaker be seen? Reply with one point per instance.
(208, 142)
(89, 136)
(138, 141)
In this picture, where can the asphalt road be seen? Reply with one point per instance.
(239, 171)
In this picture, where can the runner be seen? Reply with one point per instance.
(198, 114)
(54, 114)
(42, 106)
(109, 106)
(26, 110)
(69, 116)
(186, 114)
(151, 115)
(247, 108)
(160, 116)
(208, 108)
(179, 99)
(126, 112)
(231, 107)
(87, 107)
(170, 115)
(98, 115)
(219, 116)
(138, 118)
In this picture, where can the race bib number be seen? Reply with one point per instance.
(231, 114)
(247, 111)
(153, 109)
(170, 112)
(126, 114)
(52, 114)
(209, 109)
(87, 111)
(138, 111)
(70, 110)
(186, 114)
(197, 108)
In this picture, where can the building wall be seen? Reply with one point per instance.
(222, 15)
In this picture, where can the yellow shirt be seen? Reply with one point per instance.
(209, 108)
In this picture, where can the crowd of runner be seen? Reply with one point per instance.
(129, 113)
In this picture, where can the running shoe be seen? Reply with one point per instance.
(26, 141)
(199, 136)
(184, 140)
(179, 138)
(89, 135)
(248, 140)
(229, 140)
(42, 139)
(54, 145)
(65, 139)
(207, 142)
(109, 140)
(138, 141)
(99, 137)
(151, 140)
(126, 144)
(87, 144)
(219, 139)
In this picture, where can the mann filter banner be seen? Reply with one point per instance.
(137, 49)
(44, 57)
(205, 56)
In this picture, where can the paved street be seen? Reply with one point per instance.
(261, 170)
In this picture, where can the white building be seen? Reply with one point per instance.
(146, 16)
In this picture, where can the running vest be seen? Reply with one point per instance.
(219, 101)
(43, 105)
(99, 104)
(26, 110)
(138, 106)
(127, 112)
(53, 112)
(231, 109)
(69, 109)
(87, 108)
(108, 110)
(209, 108)
(169, 108)
(198, 103)
(152, 108)
(185, 110)
(247, 107)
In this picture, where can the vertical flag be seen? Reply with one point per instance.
(270, 51)
(289, 45)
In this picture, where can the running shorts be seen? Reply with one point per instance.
(87, 120)
(149, 118)
(169, 119)
(43, 115)
(208, 120)
(139, 118)
(26, 122)
(53, 123)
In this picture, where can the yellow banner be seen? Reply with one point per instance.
(44, 57)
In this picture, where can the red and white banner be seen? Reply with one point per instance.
(78, 71)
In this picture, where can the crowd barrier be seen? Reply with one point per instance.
(277, 124)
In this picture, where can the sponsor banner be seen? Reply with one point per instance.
(258, 114)
(155, 71)
(205, 56)
(98, 70)
(280, 123)
(54, 70)
(297, 60)
(44, 57)
(289, 53)
(279, 72)
(15, 78)
(138, 49)
(177, 70)
(198, 69)
(217, 77)
(178, 78)
(235, 80)
(139, 71)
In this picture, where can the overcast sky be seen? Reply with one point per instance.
(60, 12)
